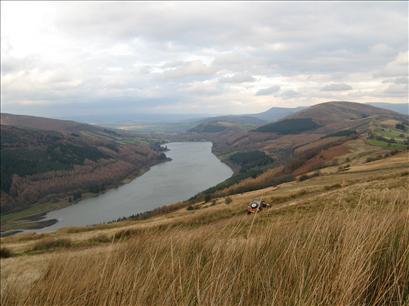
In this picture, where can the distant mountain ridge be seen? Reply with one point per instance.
(402, 108)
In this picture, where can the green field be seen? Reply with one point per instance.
(388, 136)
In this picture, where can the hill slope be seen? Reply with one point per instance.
(327, 113)
(326, 127)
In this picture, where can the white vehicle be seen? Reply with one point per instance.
(256, 206)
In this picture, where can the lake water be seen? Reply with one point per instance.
(193, 168)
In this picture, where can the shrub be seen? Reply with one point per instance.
(125, 234)
(344, 167)
(99, 239)
(51, 244)
(306, 176)
(228, 200)
(5, 252)
(303, 177)
(330, 187)
(207, 197)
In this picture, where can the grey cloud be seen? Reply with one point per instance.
(268, 91)
(290, 93)
(336, 87)
(403, 80)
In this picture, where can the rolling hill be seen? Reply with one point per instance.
(48, 124)
(302, 137)
(52, 161)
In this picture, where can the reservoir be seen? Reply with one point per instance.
(193, 168)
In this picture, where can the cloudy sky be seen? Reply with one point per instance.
(65, 58)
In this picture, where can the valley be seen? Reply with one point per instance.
(44, 170)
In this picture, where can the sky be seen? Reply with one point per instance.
(112, 58)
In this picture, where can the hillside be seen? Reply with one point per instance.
(304, 135)
(290, 126)
(59, 164)
(337, 238)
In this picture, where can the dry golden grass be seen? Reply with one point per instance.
(353, 256)
(340, 239)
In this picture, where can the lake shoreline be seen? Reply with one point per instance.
(36, 220)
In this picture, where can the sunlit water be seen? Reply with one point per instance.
(193, 168)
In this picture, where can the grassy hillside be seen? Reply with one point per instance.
(340, 238)
(327, 113)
